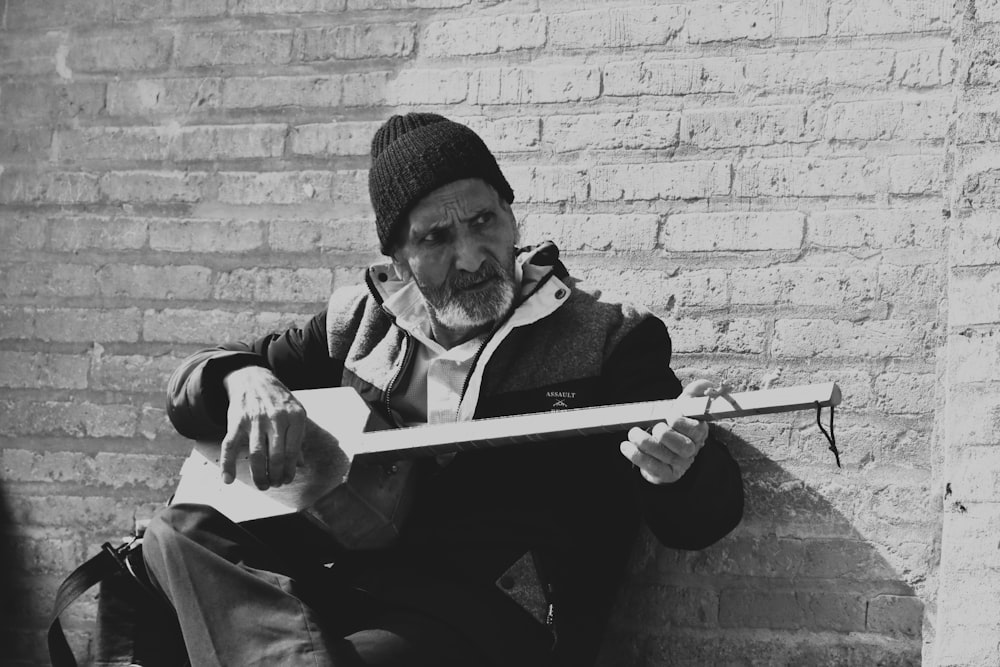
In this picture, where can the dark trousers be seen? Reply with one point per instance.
(243, 600)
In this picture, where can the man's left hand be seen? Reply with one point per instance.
(665, 452)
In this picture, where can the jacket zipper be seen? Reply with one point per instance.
(407, 352)
(479, 352)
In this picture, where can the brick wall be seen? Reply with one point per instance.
(803, 186)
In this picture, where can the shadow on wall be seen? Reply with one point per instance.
(12, 594)
(794, 584)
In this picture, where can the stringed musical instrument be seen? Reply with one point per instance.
(355, 483)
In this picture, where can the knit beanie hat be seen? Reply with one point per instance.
(415, 154)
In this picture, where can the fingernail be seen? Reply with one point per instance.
(227, 478)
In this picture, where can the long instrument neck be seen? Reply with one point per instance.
(438, 439)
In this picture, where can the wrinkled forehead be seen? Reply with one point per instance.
(452, 203)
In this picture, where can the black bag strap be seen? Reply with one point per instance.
(107, 562)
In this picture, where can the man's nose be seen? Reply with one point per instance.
(469, 253)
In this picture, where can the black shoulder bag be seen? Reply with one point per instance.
(135, 624)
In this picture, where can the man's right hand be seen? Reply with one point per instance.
(265, 417)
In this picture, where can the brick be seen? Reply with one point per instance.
(838, 339)
(674, 180)
(404, 4)
(661, 291)
(801, 18)
(792, 609)
(479, 36)
(972, 416)
(89, 232)
(213, 236)
(776, 503)
(49, 280)
(293, 187)
(131, 10)
(672, 77)
(809, 177)
(107, 470)
(912, 290)
(891, 16)
(806, 71)
(154, 282)
(973, 356)
(85, 512)
(29, 55)
(77, 419)
(973, 476)
(751, 20)
(988, 11)
(23, 232)
(984, 70)
(112, 143)
(738, 335)
(653, 607)
(974, 297)
(524, 85)
(778, 557)
(368, 89)
(281, 91)
(906, 393)
(144, 97)
(333, 139)
(547, 184)
(39, 100)
(884, 120)
(598, 232)
(630, 131)
(281, 285)
(132, 372)
(616, 27)
(980, 188)
(123, 51)
(505, 135)
(877, 229)
(66, 325)
(245, 47)
(25, 144)
(228, 142)
(726, 647)
(48, 553)
(251, 7)
(830, 287)
(59, 187)
(922, 68)
(977, 126)
(154, 186)
(749, 126)
(29, 370)
(188, 325)
(422, 86)
(702, 232)
(915, 174)
(355, 42)
(311, 236)
(197, 8)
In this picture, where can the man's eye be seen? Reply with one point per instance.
(484, 218)
(431, 238)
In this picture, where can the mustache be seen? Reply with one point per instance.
(490, 269)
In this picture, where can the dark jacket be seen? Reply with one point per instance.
(574, 503)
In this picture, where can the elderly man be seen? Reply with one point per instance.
(461, 324)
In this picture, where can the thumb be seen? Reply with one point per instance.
(697, 388)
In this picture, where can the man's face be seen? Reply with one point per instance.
(459, 249)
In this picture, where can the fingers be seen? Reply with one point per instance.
(697, 388)
(665, 453)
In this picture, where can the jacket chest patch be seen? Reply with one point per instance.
(561, 400)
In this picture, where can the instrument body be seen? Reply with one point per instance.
(357, 481)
